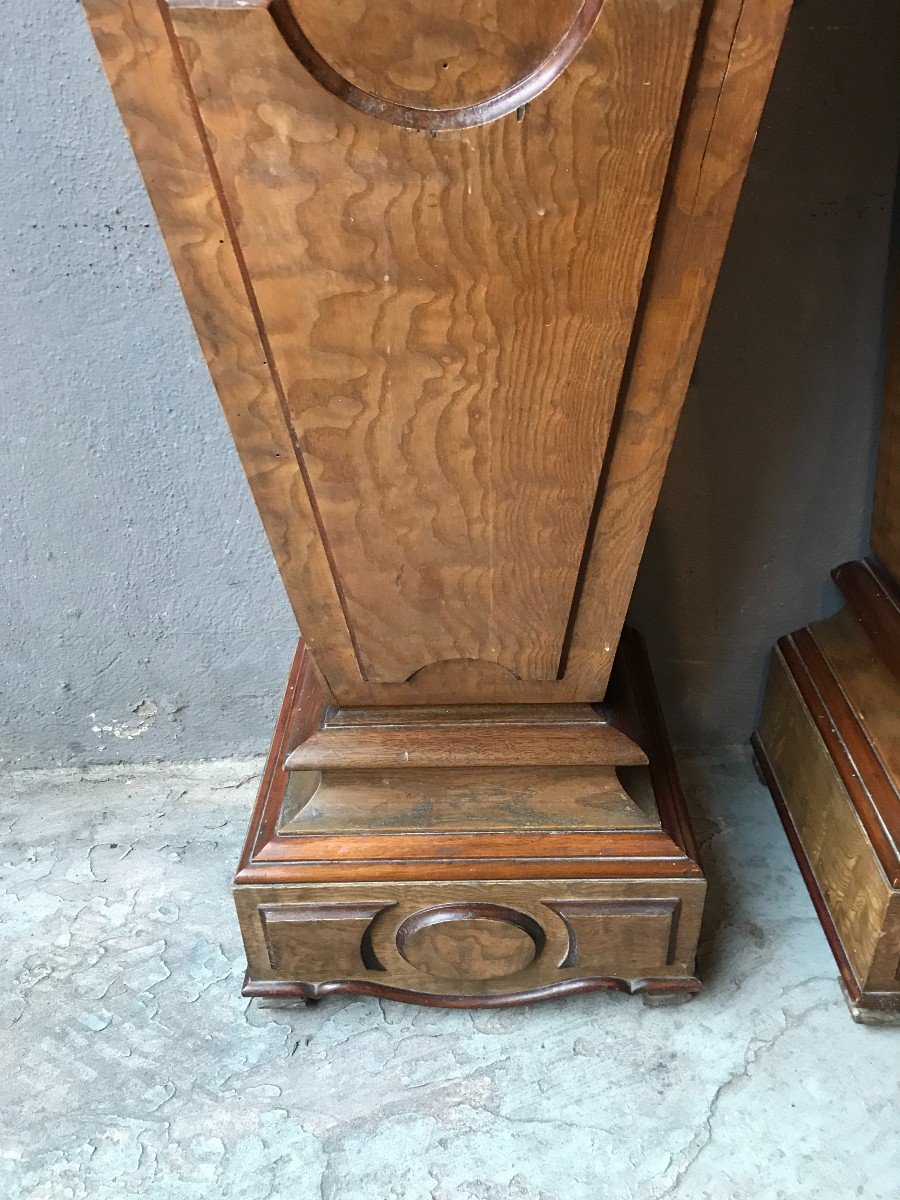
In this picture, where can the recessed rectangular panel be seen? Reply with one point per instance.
(617, 931)
(307, 941)
(448, 315)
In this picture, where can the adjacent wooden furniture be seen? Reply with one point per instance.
(449, 262)
(829, 745)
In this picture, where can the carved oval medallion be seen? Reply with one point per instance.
(435, 64)
(470, 941)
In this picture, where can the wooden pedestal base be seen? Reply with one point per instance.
(829, 749)
(465, 856)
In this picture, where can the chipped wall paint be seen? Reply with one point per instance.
(134, 569)
(141, 719)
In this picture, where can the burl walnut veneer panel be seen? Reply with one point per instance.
(428, 341)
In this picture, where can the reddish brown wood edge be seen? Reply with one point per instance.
(686, 986)
(274, 777)
(874, 598)
(869, 1000)
(863, 774)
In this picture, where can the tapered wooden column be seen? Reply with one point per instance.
(449, 263)
(829, 745)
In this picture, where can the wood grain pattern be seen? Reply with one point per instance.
(862, 1004)
(845, 732)
(862, 697)
(282, 848)
(829, 745)
(462, 800)
(467, 743)
(435, 54)
(736, 55)
(430, 64)
(609, 933)
(450, 318)
(303, 855)
(319, 938)
(476, 557)
(469, 941)
(453, 382)
(874, 598)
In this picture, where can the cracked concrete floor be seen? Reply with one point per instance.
(134, 1068)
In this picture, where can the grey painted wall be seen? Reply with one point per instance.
(136, 574)
(140, 614)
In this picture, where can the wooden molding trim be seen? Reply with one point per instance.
(635, 708)
(465, 744)
(476, 910)
(664, 852)
(686, 985)
(566, 910)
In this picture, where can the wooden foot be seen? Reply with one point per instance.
(666, 999)
(864, 1014)
(466, 858)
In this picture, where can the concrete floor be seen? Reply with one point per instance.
(134, 1068)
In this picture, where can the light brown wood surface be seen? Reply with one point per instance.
(449, 318)
(146, 75)
(421, 342)
(852, 883)
(872, 692)
(815, 785)
(476, 941)
(469, 941)
(319, 938)
(535, 799)
(829, 744)
(434, 54)
(736, 55)
(465, 886)
(349, 816)
(472, 741)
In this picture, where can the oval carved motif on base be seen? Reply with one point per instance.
(470, 941)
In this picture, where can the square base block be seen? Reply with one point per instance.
(501, 880)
